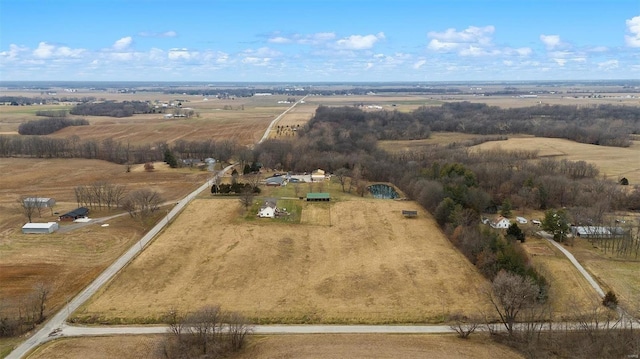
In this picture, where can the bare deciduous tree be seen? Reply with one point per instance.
(29, 207)
(510, 294)
(141, 203)
(463, 325)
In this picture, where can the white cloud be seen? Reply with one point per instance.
(368, 66)
(312, 39)
(44, 50)
(633, 27)
(608, 65)
(181, 54)
(279, 40)
(419, 64)
(560, 62)
(359, 42)
(550, 41)
(158, 34)
(14, 52)
(47, 51)
(452, 40)
(123, 43)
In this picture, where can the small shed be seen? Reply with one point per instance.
(409, 214)
(39, 202)
(521, 220)
(75, 214)
(40, 228)
(318, 197)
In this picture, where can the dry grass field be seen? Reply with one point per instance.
(614, 162)
(69, 261)
(241, 119)
(328, 346)
(616, 274)
(370, 265)
(570, 294)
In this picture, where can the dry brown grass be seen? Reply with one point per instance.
(436, 138)
(569, 293)
(68, 261)
(123, 347)
(616, 274)
(321, 346)
(614, 162)
(370, 265)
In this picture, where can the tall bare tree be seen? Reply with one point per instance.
(29, 207)
(510, 294)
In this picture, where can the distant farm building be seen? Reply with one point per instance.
(75, 214)
(318, 175)
(39, 202)
(40, 228)
(318, 197)
(596, 232)
(409, 214)
(275, 181)
(501, 223)
(268, 210)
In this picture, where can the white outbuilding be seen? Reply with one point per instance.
(40, 228)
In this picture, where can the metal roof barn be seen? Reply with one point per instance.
(40, 228)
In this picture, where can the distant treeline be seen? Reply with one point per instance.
(48, 125)
(21, 100)
(111, 108)
(246, 92)
(606, 125)
(456, 185)
(112, 151)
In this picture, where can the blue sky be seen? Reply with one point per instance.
(319, 40)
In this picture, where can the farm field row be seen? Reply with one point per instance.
(368, 264)
(324, 346)
(67, 262)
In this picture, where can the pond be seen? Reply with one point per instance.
(383, 191)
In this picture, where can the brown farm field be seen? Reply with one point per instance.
(321, 346)
(69, 261)
(613, 273)
(614, 162)
(570, 294)
(366, 264)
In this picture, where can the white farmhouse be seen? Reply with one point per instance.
(268, 210)
(501, 223)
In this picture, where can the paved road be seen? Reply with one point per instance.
(72, 331)
(575, 263)
(57, 322)
(59, 318)
(275, 120)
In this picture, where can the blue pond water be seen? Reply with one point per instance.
(383, 191)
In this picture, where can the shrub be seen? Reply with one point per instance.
(610, 300)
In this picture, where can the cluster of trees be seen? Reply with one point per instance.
(142, 203)
(111, 108)
(30, 311)
(48, 125)
(209, 332)
(112, 151)
(607, 125)
(455, 184)
(52, 113)
(24, 101)
(100, 195)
